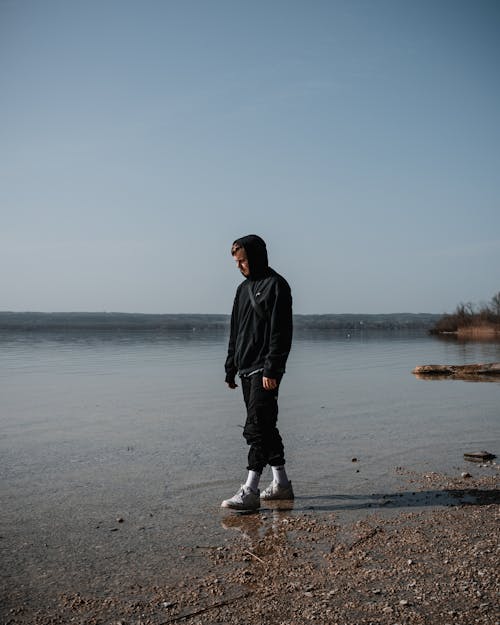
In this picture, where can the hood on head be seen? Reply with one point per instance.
(256, 251)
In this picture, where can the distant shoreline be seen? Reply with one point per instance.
(98, 321)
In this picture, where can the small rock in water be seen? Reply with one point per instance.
(466, 475)
(479, 456)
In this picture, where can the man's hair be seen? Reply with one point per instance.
(235, 247)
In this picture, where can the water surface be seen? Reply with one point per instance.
(97, 427)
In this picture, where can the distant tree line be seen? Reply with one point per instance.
(469, 315)
(98, 321)
(131, 322)
(359, 322)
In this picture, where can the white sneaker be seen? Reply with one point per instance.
(245, 499)
(276, 491)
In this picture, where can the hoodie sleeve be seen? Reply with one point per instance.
(230, 365)
(281, 330)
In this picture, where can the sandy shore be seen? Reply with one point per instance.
(433, 565)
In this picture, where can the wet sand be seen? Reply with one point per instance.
(426, 552)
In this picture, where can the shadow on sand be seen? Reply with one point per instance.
(255, 524)
(406, 499)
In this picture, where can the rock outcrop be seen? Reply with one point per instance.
(481, 372)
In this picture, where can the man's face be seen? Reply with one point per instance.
(240, 257)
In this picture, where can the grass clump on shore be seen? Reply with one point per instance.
(469, 319)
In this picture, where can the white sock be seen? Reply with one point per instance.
(253, 481)
(280, 476)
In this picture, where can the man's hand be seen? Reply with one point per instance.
(232, 385)
(269, 383)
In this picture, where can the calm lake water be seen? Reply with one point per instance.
(142, 427)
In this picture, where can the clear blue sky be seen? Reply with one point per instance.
(360, 138)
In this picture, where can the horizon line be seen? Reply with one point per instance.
(226, 314)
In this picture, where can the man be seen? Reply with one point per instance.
(259, 344)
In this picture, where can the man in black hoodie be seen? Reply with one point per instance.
(259, 344)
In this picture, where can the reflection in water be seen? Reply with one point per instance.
(458, 376)
(258, 525)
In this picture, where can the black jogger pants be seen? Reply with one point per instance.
(260, 432)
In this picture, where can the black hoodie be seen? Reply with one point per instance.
(259, 340)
